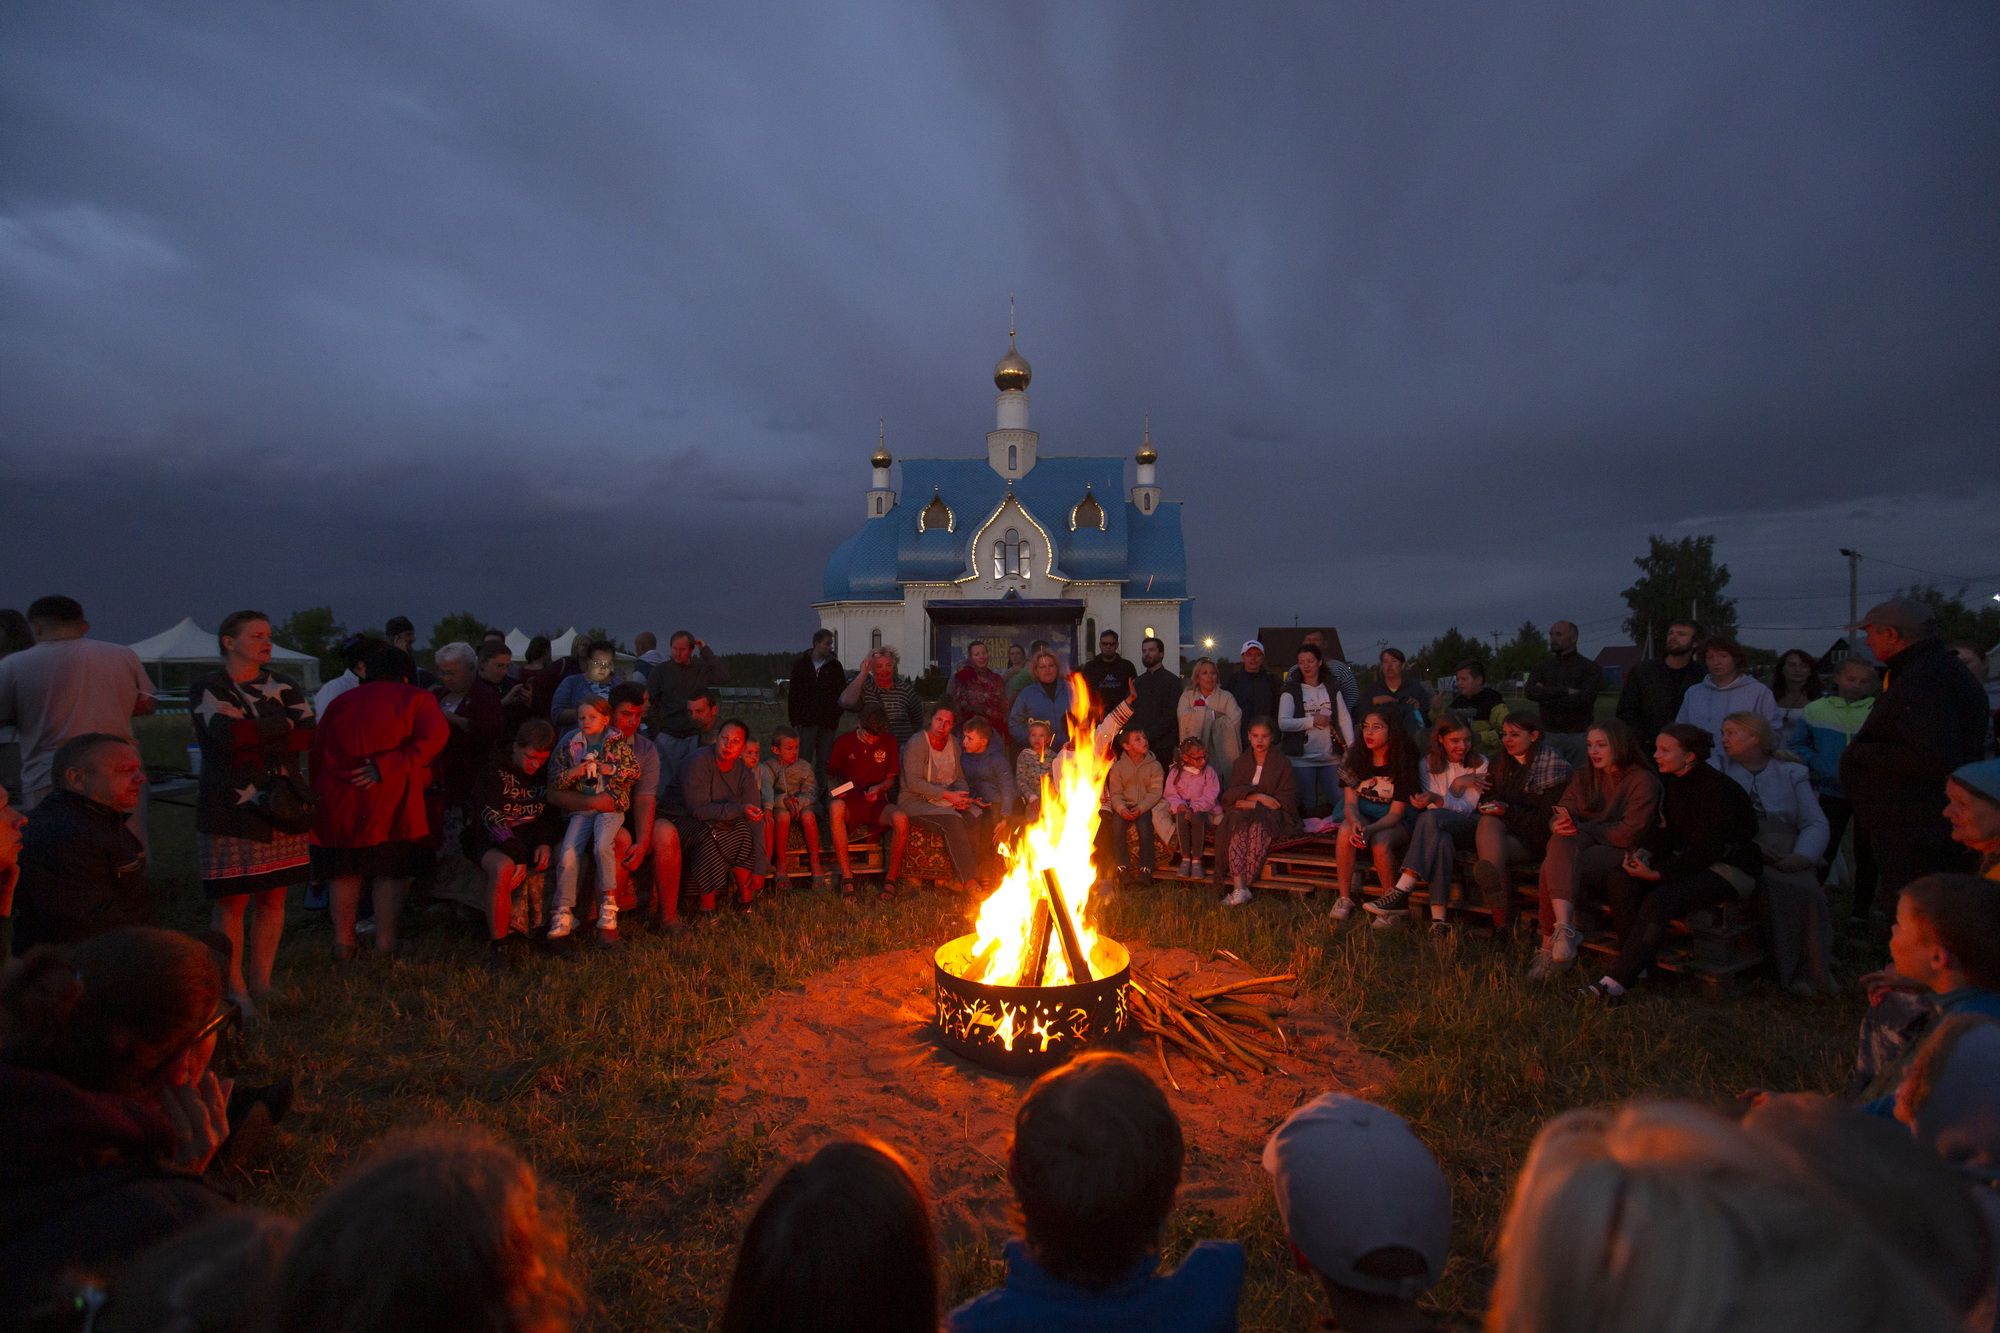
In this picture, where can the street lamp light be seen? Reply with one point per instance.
(1208, 644)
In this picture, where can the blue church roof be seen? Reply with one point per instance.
(1144, 551)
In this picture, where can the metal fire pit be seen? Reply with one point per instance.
(1050, 1023)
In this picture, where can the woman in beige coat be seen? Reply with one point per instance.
(1211, 715)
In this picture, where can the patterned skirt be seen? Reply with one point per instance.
(719, 847)
(230, 866)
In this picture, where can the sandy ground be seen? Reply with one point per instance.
(852, 1052)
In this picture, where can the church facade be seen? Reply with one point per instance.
(1009, 548)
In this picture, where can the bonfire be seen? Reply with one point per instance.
(1035, 981)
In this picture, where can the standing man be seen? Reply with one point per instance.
(68, 685)
(812, 702)
(689, 669)
(1654, 688)
(1565, 687)
(978, 691)
(401, 633)
(1254, 689)
(1108, 676)
(1157, 699)
(1929, 720)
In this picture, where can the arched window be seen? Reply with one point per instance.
(1090, 634)
(878, 504)
(937, 514)
(874, 639)
(1087, 514)
(1027, 559)
(1013, 457)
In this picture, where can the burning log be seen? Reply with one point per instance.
(1038, 945)
(1079, 965)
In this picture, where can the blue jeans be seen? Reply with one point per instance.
(1121, 851)
(1319, 784)
(815, 747)
(601, 830)
(1434, 847)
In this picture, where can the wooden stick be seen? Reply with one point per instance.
(1079, 966)
(1038, 945)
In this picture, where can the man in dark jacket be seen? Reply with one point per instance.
(1156, 700)
(1930, 718)
(1565, 687)
(690, 668)
(1254, 689)
(1653, 689)
(82, 870)
(812, 702)
(1108, 676)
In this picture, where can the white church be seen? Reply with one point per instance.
(1009, 548)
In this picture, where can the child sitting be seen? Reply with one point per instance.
(1032, 765)
(1095, 1163)
(596, 764)
(1944, 959)
(1365, 1207)
(790, 796)
(986, 775)
(1130, 793)
(1192, 797)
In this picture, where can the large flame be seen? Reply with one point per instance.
(1061, 839)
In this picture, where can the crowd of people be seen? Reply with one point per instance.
(577, 802)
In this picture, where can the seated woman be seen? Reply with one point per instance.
(1317, 731)
(842, 1243)
(728, 847)
(444, 1228)
(510, 826)
(1455, 781)
(1210, 714)
(1378, 779)
(1792, 837)
(108, 1106)
(935, 794)
(1702, 852)
(1045, 696)
(877, 686)
(1525, 780)
(1260, 804)
(1605, 812)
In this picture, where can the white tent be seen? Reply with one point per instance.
(188, 644)
(517, 643)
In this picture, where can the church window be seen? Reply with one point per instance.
(1010, 555)
(1013, 458)
(874, 639)
(1087, 514)
(937, 514)
(878, 504)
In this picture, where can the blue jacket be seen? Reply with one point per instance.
(1198, 1297)
(1826, 727)
(1705, 705)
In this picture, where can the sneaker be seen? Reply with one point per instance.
(1440, 930)
(365, 926)
(607, 915)
(1392, 903)
(1563, 945)
(1543, 966)
(1343, 907)
(1187, 868)
(1599, 994)
(1237, 898)
(1386, 920)
(561, 924)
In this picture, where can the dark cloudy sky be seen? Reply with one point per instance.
(584, 313)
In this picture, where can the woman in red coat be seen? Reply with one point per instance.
(371, 760)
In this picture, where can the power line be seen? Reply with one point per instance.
(1932, 573)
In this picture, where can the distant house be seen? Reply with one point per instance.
(1837, 652)
(1281, 643)
(1617, 659)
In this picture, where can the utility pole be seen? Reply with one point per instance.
(1853, 586)
(1496, 643)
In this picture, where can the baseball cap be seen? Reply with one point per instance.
(1981, 779)
(1248, 644)
(1351, 1178)
(1900, 614)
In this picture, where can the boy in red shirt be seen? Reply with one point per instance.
(866, 760)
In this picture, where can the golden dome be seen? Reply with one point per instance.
(1147, 453)
(1012, 370)
(880, 458)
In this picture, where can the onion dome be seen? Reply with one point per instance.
(1147, 453)
(880, 458)
(1012, 370)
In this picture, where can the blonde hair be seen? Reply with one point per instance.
(1757, 726)
(1663, 1217)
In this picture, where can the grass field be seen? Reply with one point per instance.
(592, 1065)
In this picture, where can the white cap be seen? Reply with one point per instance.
(1351, 1178)
(1248, 644)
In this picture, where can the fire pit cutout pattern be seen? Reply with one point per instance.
(1026, 1029)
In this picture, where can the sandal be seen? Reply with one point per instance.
(846, 886)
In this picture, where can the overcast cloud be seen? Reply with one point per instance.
(586, 313)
